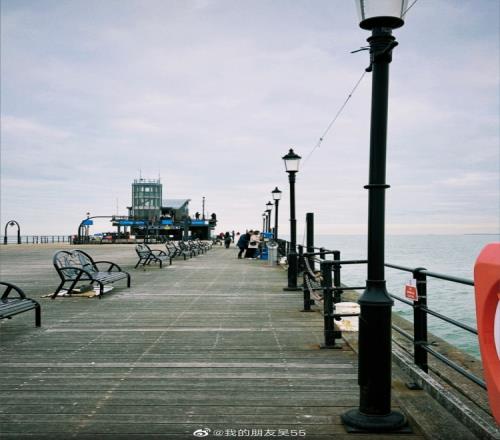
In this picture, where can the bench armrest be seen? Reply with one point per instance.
(10, 288)
(158, 252)
(111, 266)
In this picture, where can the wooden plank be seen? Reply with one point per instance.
(208, 342)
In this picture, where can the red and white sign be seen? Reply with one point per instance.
(411, 292)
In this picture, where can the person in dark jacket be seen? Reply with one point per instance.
(243, 243)
(227, 239)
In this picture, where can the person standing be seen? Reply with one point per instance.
(243, 243)
(253, 245)
(227, 239)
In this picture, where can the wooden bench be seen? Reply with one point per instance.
(147, 256)
(13, 306)
(77, 266)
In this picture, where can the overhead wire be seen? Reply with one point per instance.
(408, 8)
(330, 125)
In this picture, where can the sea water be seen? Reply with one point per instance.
(453, 255)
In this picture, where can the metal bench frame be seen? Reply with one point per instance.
(13, 306)
(78, 266)
(148, 255)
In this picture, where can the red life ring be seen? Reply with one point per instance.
(487, 287)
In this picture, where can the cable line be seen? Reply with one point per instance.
(408, 8)
(322, 137)
(330, 125)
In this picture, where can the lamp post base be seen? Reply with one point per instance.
(356, 421)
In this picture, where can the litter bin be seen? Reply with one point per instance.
(272, 250)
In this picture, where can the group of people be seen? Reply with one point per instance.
(248, 243)
(227, 238)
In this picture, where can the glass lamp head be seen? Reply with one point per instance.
(276, 194)
(381, 13)
(292, 161)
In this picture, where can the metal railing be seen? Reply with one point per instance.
(420, 340)
(333, 288)
(36, 239)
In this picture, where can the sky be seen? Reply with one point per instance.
(210, 94)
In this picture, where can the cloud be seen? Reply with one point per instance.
(471, 179)
(210, 94)
(28, 129)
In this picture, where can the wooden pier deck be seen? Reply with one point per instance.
(209, 343)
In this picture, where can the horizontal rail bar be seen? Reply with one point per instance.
(312, 254)
(396, 266)
(441, 276)
(402, 332)
(450, 320)
(449, 278)
(404, 300)
(455, 366)
(349, 261)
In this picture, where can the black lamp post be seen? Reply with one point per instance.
(269, 207)
(264, 215)
(374, 378)
(292, 161)
(276, 197)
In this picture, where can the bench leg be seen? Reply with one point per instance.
(53, 296)
(101, 289)
(38, 316)
(128, 280)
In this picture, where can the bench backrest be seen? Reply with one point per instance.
(73, 259)
(170, 247)
(8, 288)
(143, 250)
(308, 270)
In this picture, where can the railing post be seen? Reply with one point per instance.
(337, 295)
(307, 294)
(322, 254)
(300, 265)
(328, 306)
(310, 238)
(420, 320)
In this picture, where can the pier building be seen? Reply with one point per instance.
(150, 215)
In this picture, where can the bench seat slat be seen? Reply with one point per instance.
(13, 306)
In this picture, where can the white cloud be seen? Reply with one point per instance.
(211, 94)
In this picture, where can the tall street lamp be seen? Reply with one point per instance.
(374, 378)
(276, 197)
(292, 161)
(264, 215)
(269, 207)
